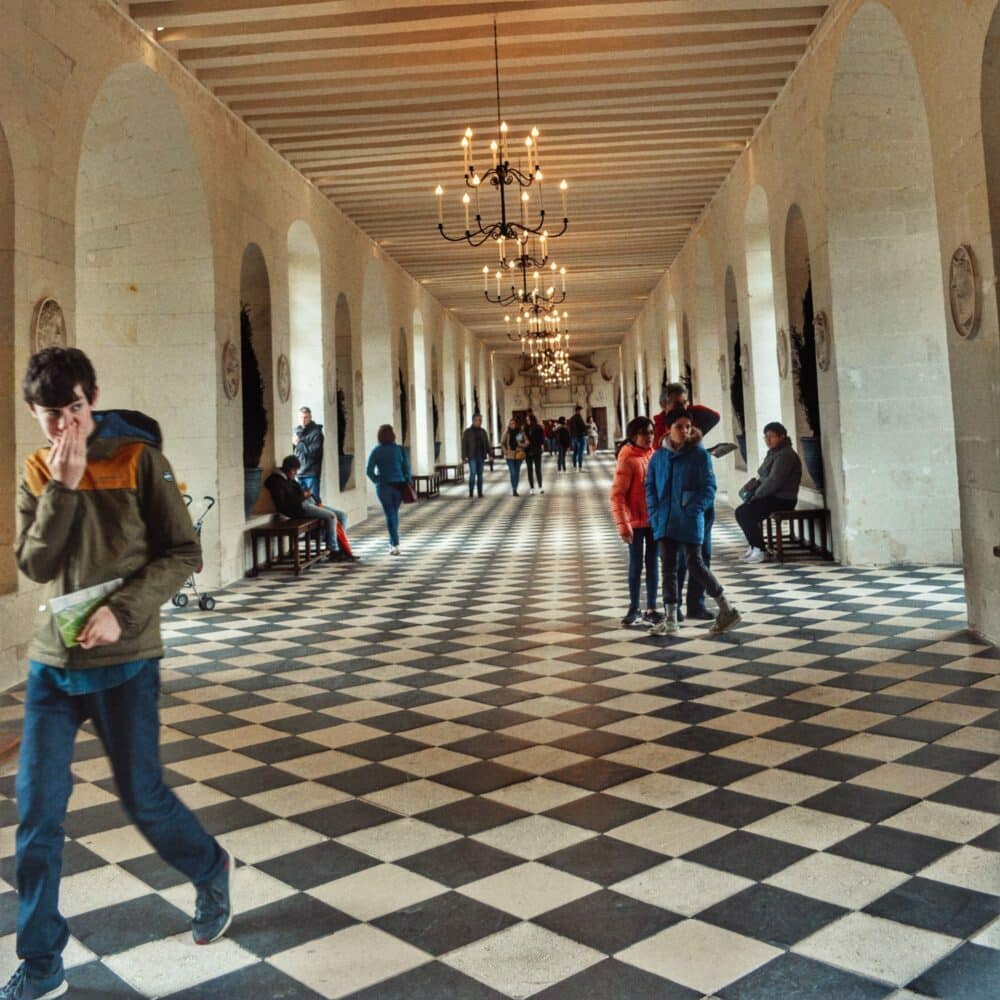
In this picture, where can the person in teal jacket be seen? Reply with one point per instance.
(389, 469)
(680, 489)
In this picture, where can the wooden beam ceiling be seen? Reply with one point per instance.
(642, 106)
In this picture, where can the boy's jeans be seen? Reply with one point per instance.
(128, 724)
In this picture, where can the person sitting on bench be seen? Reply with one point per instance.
(293, 501)
(775, 488)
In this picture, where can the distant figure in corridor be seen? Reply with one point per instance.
(100, 502)
(628, 508)
(535, 444)
(593, 435)
(292, 499)
(578, 432)
(513, 445)
(476, 451)
(680, 487)
(563, 441)
(389, 469)
(776, 487)
(309, 451)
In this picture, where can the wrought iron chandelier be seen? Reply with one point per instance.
(552, 366)
(531, 290)
(512, 225)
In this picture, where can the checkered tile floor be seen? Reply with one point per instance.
(453, 775)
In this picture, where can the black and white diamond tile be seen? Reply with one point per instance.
(452, 774)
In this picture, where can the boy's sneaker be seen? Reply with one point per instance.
(651, 616)
(666, 626)
(725, 620)
(20, 987)
(756, 556)
(631, 617)
(213, 911)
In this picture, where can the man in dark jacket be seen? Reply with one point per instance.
(777, 488)
(309, 451)
(578, 433)
(533, 453)
(99, 505)
(563, 440)
(475, 450)
(293, 500)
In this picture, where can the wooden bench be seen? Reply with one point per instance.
(451, 473)
(426, 486)
(811, 520)
(304, 537)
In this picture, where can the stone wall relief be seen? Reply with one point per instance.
(284, 378)
(782, 353)
(230, 370)
(723, 380)
(359, 383)
(48, 325)
(821, 327)
(606, 372)
(965, 294)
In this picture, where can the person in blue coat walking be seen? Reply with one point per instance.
(680, 489)
(389, 469)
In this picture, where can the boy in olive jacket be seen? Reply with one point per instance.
(99, 504)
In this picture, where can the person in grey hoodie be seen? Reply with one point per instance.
(777, 488)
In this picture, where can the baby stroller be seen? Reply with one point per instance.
(205, 601)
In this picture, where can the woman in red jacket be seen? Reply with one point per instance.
(628, 508)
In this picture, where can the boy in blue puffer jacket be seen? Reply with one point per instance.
(680, 488)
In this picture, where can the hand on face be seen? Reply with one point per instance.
(68, 456)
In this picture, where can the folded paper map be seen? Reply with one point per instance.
(71, 611)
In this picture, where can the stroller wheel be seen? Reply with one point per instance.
(180, 600)
(206, 602)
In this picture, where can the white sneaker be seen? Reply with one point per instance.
(749, 549)
(531, 491)
(756, 556)
(394, 550)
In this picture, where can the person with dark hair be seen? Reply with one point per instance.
(775, 488)
(673, 399)
(563, 441)
(98, 505)
(680, 487)
(389, 469)
(628, 508)
(292, 499)
(475, 451)
(309, 451)
(593, 435)
(578, 432)
(513, 445)
(533, 453)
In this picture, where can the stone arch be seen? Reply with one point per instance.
(991, 129)
(255, 296)
(687, 361)
(377, 385)
(305, 328)
(348, 445)
(798, 288)
(889, 334)
(420, 403)
(735, 391)
(8, 374)
(762, 328)
(673, 341)
(145, 289)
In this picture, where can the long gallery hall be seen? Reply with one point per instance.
(500, 499)
(455, 775)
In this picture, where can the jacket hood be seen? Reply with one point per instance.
(128, 424)
(634, 449)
